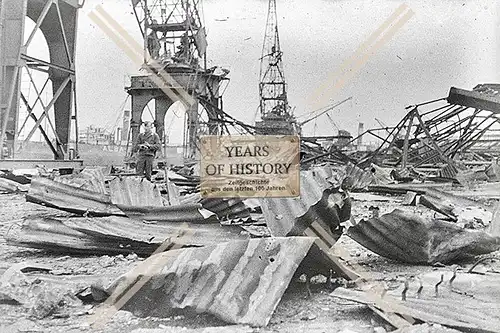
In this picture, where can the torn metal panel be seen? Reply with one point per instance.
(291, 216)
(239, 282)
(357, 179)
(135, 191)
(456, 208)
(90, 179)
(177, 234)
(318, 212)
(10, 186)
(194, 213)
(477, 99)
(75, 200)
(52, 235)
(226, 208)
(469, 302)
(410, 238)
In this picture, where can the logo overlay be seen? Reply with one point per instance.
(250, 166)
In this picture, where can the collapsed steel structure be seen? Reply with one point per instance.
(444, 131)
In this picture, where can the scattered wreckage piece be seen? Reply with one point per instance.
(39, 297)
(10, 186)
(135, 191)
(464, 211)
(317, 212)
(239, 282)
(116, 235)
(52, 235)
(176, 234)
(90, 179)
(410, 238)
(463, 301)
(419, 188)
(194, 213)
(316, 203)
(53, 194)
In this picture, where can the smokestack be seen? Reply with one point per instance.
(361, 129)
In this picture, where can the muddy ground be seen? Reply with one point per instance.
(297, 311)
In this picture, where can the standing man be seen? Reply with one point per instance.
(146, 145)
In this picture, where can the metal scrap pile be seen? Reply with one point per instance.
(240, 255)
(236, 244)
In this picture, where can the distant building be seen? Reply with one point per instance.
(96, 136)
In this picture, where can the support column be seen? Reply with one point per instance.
(12, 19)
(139, 102)
(162, 104)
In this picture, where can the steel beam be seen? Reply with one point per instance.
(475, 99)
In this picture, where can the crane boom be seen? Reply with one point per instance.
(328, 108)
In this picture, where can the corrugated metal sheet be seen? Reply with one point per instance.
(317, 212)
(410, 238)
(470, 303)
(135, 191)
(90, 179)
(181, 213)
(69, 198)
(357, 179)
(226, 209)
(180, 234)
(52, 235)
(233, 210)
(291, 216)
(239, 282)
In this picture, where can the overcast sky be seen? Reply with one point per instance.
(446, 43)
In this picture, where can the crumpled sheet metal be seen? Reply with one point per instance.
(316, 203)
(135, 191)
(357, 179)
(176, 234)
(227, 208)
(193, 213)
(90, 179)
(410, 238)
(239, 282)
(471, 303)
(52, 235)
(318, 212)
(69, 198)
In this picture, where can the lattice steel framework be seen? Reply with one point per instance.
(276, 114)
(57, 20)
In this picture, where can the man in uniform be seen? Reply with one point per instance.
(146, 145)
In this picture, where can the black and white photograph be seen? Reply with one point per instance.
(250, 166)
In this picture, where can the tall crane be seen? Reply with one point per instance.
(276, 114)
(175, 48)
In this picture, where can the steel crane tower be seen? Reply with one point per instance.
(276, 114)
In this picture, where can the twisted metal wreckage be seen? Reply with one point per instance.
(235, 258)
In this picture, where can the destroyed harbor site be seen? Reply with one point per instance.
(401, 237)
